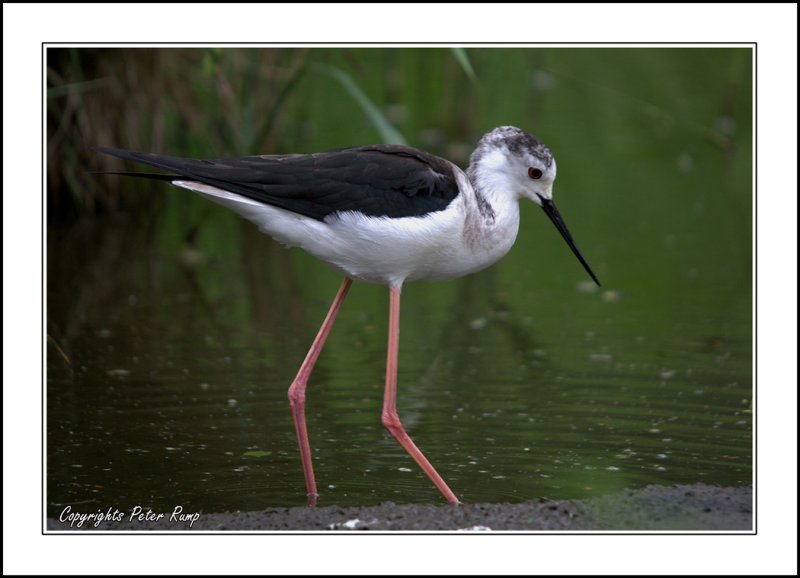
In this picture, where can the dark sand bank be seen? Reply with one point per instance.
(694, 507)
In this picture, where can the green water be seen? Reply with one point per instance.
(174, 328)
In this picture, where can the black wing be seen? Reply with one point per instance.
(379, 180)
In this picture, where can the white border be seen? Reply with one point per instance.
(773, 550)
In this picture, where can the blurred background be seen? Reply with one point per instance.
(174, 328)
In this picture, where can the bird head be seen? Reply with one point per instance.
(513, 162)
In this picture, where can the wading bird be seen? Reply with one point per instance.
(382, 214)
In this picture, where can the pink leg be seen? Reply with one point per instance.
(297, 391)
(389, 417)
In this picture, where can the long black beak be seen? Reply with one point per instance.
(551, 211)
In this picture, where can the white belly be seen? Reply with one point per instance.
(378, 249)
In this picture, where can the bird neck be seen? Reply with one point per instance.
(491, 215)
(493, 192)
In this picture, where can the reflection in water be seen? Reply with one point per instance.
(173, 332)
(175, 389)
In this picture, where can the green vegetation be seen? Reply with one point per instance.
(646, 380)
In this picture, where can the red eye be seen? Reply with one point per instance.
(534, 173)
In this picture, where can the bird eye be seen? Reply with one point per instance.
(534, 173)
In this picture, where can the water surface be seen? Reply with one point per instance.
(174, 330)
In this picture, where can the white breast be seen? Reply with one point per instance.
(441, 245)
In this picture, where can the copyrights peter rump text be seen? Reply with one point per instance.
(137, 513)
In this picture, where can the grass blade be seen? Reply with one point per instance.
(389, 134)
(466, 65)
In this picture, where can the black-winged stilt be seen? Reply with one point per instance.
(381, 214)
